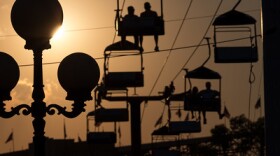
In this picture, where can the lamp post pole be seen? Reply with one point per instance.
(38, 107)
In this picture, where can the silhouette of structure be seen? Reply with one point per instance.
(35, 22)
(271, 79)
(61, 147)
(115, 81)
(57, 147)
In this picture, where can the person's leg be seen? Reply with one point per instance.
(156, 42)
(136, 40)
(192, 114)
(204, 117)
(141, 42)
(221, 115)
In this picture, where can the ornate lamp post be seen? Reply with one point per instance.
(36, 21)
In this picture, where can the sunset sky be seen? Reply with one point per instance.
(88, 27)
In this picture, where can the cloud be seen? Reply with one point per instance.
(53, 91)
(22, 92)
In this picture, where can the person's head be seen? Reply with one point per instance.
(208, 85)
(195, 90)
(147, 6)
(130, 10)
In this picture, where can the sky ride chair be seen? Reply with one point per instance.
(101, 115)
(145, 26)
(104, 115)
(121, 80)
(173, 129)
(199, 103)
(101, 143)
(96, 137)
(180, 127)
(238, 24)
(203, 104)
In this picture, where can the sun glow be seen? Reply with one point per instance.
(58, 34)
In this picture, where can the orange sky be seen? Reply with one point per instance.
(88, 28)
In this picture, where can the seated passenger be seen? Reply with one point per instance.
(132, 21)
(195, 102)
(194, 99)
(208, 94)
(148, 13)
(100, 92)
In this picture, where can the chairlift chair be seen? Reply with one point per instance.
(102, 114)
(117, 82)
(185, 126)
(235, 23)
(174, 129)
(144, 27)
(120, 79)
(94, 137)
(163, 134)
(200, 104)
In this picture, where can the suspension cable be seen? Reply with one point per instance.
(218, 8)
(167, 58)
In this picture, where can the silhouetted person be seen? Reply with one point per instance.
(194, 98)
(168, 91)
(171, 87)
(131, 20)
(148, 13)
(208, 95)
(101, 93)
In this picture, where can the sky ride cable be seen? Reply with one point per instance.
(148, 52)
(118, 17)
(167, 58)
(192, 54)
(110, 27)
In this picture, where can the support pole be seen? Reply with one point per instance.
(135, 115)
(271, 57)
(135, 125)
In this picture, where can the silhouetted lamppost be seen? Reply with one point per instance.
(36, 21)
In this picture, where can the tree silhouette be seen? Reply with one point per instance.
(202, 149)
(242, 130)
(221, 138)
(244, 136)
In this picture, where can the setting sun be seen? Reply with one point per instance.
(58, 34)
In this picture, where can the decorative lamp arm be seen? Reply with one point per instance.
(26, 110)
(77, 109)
